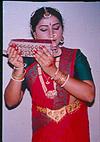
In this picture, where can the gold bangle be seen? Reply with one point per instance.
(62, 79)
(67, 78)
(19, 80)
(19, 76)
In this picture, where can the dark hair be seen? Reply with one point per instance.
(39, 14)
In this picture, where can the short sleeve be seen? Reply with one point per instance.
(82, 67)
(24, 85)
(28, 61)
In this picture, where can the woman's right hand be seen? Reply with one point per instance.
(14, 56)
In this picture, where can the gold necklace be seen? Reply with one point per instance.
(51, 93)
(47, 79)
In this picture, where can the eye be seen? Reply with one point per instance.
(43, 29)
(56, 27)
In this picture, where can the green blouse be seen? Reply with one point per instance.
(82, 67)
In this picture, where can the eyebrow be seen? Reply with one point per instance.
(47, 25)
(56, 24)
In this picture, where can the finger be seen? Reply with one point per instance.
(43, 56)
(13, 53)
(46, 51)
(37, 57)
(9, 50)
(39, 54)
(10, 47)
(43, 62)
(43, 52)
(16, 61)
(39, 61)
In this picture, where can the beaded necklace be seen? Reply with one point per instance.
(48, 93)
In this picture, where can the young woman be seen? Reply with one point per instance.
(60, 83)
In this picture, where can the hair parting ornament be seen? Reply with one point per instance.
(46, 14)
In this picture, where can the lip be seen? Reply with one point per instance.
(54, 44)
(54, 49)
(53, 41)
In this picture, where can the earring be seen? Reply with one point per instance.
(62, 41)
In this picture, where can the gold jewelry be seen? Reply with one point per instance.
(19, 80)
(62, 79)
(46, 14)
(51, 93)
(65, 81)
(19, 77)
(62, 41)
(47, 79)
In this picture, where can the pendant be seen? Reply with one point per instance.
(51, 94)
(47, 82)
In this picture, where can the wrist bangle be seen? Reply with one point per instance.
(61, 78)
(19, 77)
(65, 81)
(19, 80)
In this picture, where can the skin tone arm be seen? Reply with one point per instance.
(46, 28)
(83, 90)
(13, 94)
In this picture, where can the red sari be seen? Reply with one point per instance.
(74, 126)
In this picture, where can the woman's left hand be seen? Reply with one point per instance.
(45, 59)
